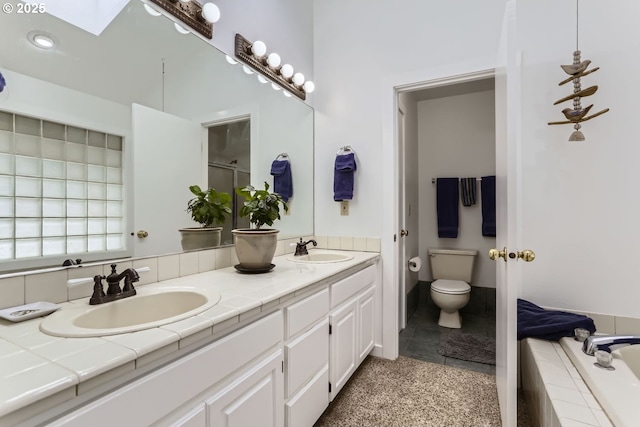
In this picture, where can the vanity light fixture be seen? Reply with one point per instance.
(254, 55)
(196, 16)
(151, 11)
(41, 40)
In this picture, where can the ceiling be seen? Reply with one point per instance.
(121, 64)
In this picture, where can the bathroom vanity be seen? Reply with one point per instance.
(273, 352)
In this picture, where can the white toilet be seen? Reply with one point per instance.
(452, 270)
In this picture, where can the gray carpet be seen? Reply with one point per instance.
(410, 392)
(472, 347)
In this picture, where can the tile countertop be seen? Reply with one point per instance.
(36, 366)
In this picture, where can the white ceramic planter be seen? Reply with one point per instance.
(255, 248)
(200, 238)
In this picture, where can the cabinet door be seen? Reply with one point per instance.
(256, 398)
(343, 346)
(366, 310)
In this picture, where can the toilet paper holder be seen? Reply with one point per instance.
(414, 264)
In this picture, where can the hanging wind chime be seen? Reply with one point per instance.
(577, 114)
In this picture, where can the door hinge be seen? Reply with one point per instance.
(329, 387)
(395, 237)
(283, 366)
(330, 330)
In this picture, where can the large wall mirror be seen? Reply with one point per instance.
(174, 99)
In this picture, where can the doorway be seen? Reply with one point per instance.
(443, 130)
(229, 167)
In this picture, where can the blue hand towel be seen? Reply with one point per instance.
(282, 183)
(447, 196)
(468, 186)
(536, 322)
(343, 173)
(488, 194)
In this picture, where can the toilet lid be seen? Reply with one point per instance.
(450, 286)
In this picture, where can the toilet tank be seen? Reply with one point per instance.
(452, 264)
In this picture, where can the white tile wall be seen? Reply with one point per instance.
(556, 395)
(18, 289)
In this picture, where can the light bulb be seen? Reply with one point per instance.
(273, 60)
(180, 28)
(261, 79)
(185, 1)
(230, 60)
(309, 86)
(298, 79)
(210, 13)
(151, 11)
(259, 49)
(286, 71)
(287, 94)
(247, 69)
(275, 86)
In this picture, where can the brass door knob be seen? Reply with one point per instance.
(527, 255)
(494, 254)
(142, 234)
(404, 233)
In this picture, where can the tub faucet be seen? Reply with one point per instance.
(605, 342)
(301, 247)
(114, 292)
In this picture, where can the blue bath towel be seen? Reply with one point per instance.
(488, 194)
(447, 202)
(282, 183)
(536, 322)
(343, 175)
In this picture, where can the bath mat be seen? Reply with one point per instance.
(471, 347)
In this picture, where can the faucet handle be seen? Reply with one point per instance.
(98, 290)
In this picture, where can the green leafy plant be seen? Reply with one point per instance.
(261, 206)
(209, 207)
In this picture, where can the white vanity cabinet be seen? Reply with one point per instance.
(352, 326)
(235, 381)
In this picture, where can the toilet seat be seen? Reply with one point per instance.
(450, 287)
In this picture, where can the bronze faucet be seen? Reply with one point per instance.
(301, 247)
(114, 292)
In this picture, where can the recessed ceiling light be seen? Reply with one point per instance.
(41, 39)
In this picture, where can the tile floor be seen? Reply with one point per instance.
(421, 338)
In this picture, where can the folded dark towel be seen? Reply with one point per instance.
(536, 322)
(468, 187)
(343, 174)
(282, 183)
(447, 202)
(488, 194)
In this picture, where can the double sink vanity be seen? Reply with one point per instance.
(213, 348)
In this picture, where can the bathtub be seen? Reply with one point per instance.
(617, 391)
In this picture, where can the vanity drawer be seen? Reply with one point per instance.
(342, 290)
(304, 313)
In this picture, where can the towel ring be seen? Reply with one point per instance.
(282, 156)
(346, 149)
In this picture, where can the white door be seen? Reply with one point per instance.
(508, 277)
(402, 222)
(164, 144)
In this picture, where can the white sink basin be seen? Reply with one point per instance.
(317, 256)
(150, 308)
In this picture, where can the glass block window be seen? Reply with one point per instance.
(61, 189)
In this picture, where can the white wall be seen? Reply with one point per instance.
(286, 27)
(456, 139)
(580, 200)
(360, 47)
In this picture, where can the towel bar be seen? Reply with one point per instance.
(344, 150)
(282, 156)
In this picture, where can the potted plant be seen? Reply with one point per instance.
(208, 208)
(256, 246)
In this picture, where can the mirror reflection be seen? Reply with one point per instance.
(185, 116)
